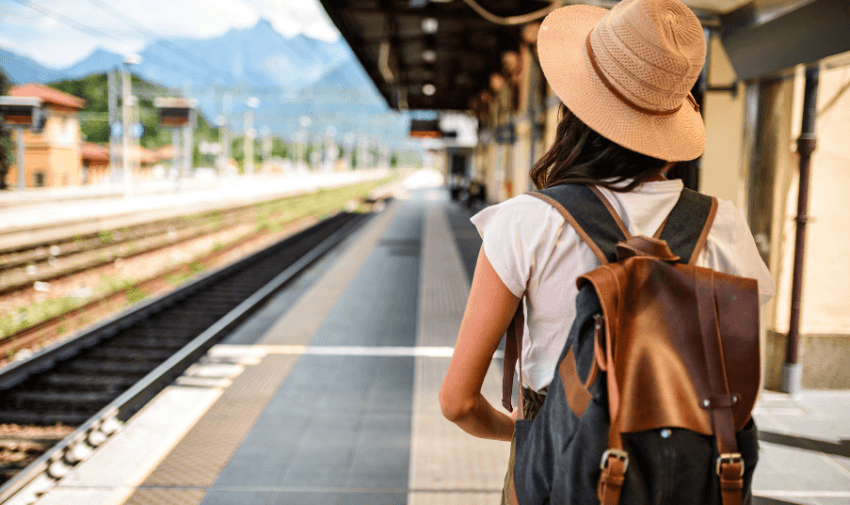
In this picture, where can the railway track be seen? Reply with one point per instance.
(99, 378)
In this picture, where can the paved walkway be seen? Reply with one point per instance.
(329, 395)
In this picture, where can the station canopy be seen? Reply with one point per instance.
(437, 54)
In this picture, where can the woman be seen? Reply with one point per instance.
(626, 119)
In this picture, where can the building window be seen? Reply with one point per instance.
(40, 179)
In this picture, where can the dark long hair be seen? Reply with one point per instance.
(582, 156)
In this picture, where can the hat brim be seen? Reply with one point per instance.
(563, 58)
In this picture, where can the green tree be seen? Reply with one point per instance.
(5, 137)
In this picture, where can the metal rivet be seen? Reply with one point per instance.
(735, 399)
(665, 433)
(706, 403)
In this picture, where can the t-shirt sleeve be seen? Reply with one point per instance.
(517, 234)
(731, 248)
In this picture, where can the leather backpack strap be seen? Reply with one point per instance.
(730, 464)
(513, 355)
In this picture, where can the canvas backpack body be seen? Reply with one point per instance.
(652, 398)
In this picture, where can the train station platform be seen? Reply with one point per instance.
(328, 395)
(41, 214)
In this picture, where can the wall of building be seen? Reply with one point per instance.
(722, 172)
(824, 347)
(52, 155)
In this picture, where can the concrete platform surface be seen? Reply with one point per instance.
(331, 394)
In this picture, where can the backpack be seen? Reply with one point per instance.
(652, 397)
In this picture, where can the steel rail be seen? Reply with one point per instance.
(102, 424)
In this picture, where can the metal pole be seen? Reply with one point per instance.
(113, 117)
(225, 148)
(22, 180)
(188, 132)
(791, 369)
(125, 131)
(249, 142)
(175, 155)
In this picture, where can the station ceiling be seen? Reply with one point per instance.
(437, 54)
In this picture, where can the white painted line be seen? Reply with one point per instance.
(412, 351)
(802, 494)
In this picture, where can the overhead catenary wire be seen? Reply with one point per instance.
(85, 29)
(512, 20)
(176, 50)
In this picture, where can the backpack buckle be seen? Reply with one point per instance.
(616, 453)
(731, 457)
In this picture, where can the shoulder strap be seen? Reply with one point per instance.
(686, 228)
(590, 214)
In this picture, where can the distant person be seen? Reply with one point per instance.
(626, 119)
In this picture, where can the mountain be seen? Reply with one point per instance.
(256, 56)
(348, 75)
(21, 69)
(98, 62)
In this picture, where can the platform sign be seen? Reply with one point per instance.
(21, 111)
(425, 129)
(137, 130)
(175, 112)
(116, 130)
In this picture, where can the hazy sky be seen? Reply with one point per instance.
(48, 38)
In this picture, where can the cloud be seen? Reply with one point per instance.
(293, 17)
(51, 42)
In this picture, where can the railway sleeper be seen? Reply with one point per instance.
(110, 367)
(73, 400)
(66, 380)
(187, 323)
(46, 418)
(119, 353)
(153, 339)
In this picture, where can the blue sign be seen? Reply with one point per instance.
(137, 130)
(116, 129)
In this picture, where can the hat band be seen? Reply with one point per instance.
(622, 97)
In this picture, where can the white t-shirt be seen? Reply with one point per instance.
(532, 251)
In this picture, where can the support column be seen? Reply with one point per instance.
(175, 155)
(791, 369)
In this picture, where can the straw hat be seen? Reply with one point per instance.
(627, 73)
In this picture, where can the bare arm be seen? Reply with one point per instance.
(489, 311)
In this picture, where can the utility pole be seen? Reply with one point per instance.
(224, 140)
(349, 147)
(113, 120)
(265, 146)
(22, 180)
(175, 155)
(250, 134)
(130, 59)
(188, 144)
(305, 122)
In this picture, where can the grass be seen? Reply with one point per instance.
(36, 312)
(135, 294)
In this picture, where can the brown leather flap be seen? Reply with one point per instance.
(660, 379)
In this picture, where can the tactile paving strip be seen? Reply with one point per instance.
(447, 465)
(200, 456)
